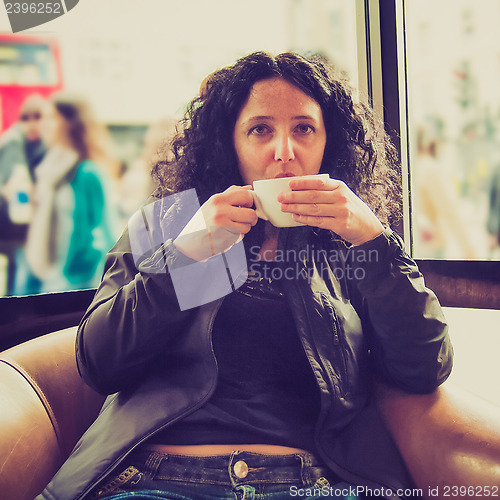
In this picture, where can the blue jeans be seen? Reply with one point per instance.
(241, 475)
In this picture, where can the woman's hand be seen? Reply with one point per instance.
(331, 205)
(220, 222)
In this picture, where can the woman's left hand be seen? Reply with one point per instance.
(331, 205)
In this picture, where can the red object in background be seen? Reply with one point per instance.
(28, 65)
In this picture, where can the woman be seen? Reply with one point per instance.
(264, 393)
(71, 231)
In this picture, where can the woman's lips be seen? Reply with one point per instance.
(284, 174)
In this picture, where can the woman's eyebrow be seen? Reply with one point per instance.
(258, 118)
(304, 117)
(268, 117)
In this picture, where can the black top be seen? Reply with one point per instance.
(266, 392)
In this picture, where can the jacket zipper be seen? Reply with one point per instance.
(332, 316)
(336, 330)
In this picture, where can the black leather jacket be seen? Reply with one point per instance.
(157, 362)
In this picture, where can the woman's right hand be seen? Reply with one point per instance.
(220, 222)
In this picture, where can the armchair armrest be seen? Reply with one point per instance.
(449, 438)
(45, 408)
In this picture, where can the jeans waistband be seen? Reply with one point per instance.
(239, 467)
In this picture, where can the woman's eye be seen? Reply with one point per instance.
(259, 130)
(304, 129)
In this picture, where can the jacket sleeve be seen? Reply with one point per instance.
(402, 319)
(134, 316)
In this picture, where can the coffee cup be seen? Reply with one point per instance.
(265, 194)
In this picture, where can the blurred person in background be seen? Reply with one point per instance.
(137, 184)
(493, 221)
(21, 150)
(440, 223)
(73, 226)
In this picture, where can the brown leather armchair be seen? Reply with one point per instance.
(448, 438)
(44, 409)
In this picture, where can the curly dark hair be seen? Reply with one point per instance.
(358, 151)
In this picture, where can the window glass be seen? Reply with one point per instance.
(138, 63)
(453, 64)
(23, 64)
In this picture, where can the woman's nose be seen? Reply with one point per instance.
(284, 148)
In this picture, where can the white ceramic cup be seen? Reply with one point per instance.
(265, 194)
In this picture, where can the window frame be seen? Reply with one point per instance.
(457, 283)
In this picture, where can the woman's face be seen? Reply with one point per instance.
(279, 132)
(53, 127)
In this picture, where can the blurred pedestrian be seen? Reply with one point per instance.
(493, 220)
(137, 183)
(72, 228)
(441, 228)
(21, 150)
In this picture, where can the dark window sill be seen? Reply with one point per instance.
(464, 283)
